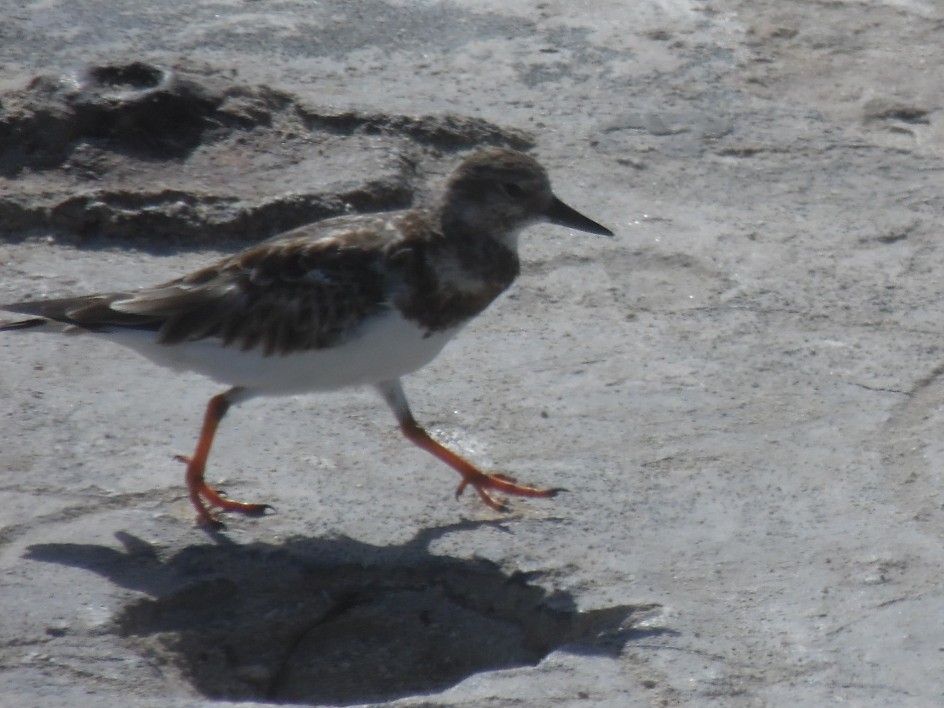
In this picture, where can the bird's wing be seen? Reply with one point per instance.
(301, 291)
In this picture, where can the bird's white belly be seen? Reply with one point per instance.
(385, 347)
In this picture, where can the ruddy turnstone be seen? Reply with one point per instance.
(347, 301)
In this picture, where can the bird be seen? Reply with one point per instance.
(354, 300)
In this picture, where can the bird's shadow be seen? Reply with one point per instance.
(338, 620)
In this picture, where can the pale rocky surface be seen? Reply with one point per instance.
(743, 391)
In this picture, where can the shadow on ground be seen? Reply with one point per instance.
(337, 620)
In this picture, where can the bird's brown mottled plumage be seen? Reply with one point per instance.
(297, 293)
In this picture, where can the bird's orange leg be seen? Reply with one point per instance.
(471, 475)
(196, 464)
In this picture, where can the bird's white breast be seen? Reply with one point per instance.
(383, 348)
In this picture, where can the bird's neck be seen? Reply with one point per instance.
(453, 278)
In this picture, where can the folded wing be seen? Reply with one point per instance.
(292, 294)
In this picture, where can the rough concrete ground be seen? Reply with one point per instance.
(742, 391)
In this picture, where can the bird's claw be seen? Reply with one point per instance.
(483, 482)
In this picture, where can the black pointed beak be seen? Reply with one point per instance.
(563, 215)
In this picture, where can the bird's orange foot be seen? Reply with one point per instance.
(204, 498)
(482, 482)
(471, 475)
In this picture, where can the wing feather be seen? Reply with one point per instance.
(304, 290)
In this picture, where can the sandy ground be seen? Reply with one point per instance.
(742, 391)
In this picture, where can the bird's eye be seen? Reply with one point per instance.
(512, 189)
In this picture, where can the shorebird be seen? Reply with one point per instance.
(348, 301)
